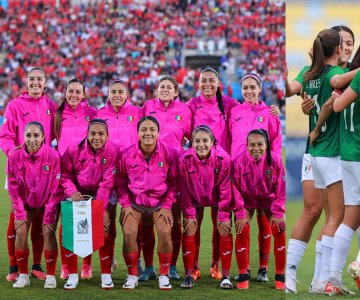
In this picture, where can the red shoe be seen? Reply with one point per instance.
(13, 274)
(357, 281)
(333, 290)
(280, 282)
(196, 274)
(243, 281)
(215, 272)
(86, 272)
(64, 272)
(37, 272)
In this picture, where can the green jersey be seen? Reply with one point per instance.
(350, 126)
(319, 89)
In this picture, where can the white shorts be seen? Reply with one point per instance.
(113, 199)
(351, 183)
(306, 169)
(326, 170)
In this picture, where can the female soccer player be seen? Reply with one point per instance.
(348, 105)
(205, 181)
(146, 185)
(71, 124)
(89, 168)
(34, 176)
(254, 114)
(33, 105)
(175, 121)
(122, 118)
(259, 183)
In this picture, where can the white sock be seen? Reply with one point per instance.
(342, 242)
(326, 248)
(296, 249)
(317, 261)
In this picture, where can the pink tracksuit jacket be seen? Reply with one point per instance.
(34, 181)
(246, 117)
(147, 184)
(206, 112)
(22, 110)
(205, 182)
(88, 172)
(175, 120)
(122, 124)
(256, 185)
(74, 124)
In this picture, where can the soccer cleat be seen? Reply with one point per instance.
(50, 282)
(357, 281)
(243, 281)
(22, 281)
(131, 282)
(114, 265)
(226, 283)
(332, 290)
(188, 282)
(72, 282)
(164, 282)
(173, 274)
(280, 282)
(262, 275)
(106, 282)
(215, 272)
(248, 272)
(64, 274)
(196, 274)
(38, 272)
(290, 284)
(140, 267)
(149, 273)
(317, 287)
(86, 271)
(13, 274)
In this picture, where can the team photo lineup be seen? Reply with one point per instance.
(147, 151)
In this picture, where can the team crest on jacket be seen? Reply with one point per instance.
(161, 164)
(46, 168)
(261, 119)
(131, 118)
(103, 161)
(48, 112)
(178, 118)
(87, 118)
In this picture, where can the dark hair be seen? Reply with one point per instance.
(264, 133)
(118, 81)
(150, 118)
(253, 76)
(99, 121)
(59, 111)
(34, 123)
(206, 129)
(218, 92)
(356, 60)
(34, 69)
(171, 79)
(339, 28)
(324, 46)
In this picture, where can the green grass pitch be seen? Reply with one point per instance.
(204, 287)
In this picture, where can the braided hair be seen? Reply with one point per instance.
(263, 133)
(218, 91)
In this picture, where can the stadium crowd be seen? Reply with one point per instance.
(101, 40)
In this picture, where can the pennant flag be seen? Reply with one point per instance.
(83, 226)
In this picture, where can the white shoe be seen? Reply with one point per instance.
(290, 284)
(131, 282)
(164, 282)
(50, 282)
(226, 283)
(72, 282)
(106, 282)
(317, 287)
(22, 281)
